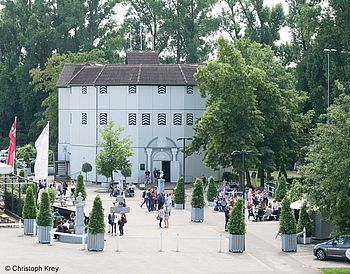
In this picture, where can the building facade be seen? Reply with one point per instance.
(155, 104)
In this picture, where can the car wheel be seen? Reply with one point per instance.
(320, 255)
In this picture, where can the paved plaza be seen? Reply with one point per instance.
(139, 249)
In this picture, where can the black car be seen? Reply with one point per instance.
(336, 248)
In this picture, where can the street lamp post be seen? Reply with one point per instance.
(184, 158)
(243, 153)
(328, 51)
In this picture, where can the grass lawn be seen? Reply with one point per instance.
(335, 270)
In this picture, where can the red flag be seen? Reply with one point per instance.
(12, 146)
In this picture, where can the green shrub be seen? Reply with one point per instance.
(282, 171)
(304, 221)
(87, 167)
(287, 220)
(296, 191)
(96, 223)
(236, 222)
(45, 215)
(80, 187)
(29, 208)
(180, 191)
(230, 177)
(17, 202)
(52, 194)
(212, 190)
(198, 194)
(281, 190)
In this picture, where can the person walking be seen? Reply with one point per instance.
(160, 216)
(122, 221)
(144, 197)
(166, 216)
(114, 221)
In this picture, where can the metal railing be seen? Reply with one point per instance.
(270, 188)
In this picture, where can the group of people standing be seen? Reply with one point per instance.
(114, 220)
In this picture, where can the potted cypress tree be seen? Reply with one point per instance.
(236, 227)
(86, 167)
(304, 221)
(197, 202)
(287, 227)
(281, 190)
(212, 191)
(80, 187)
(180, 194)
(96, 227)
(29, 212)
(44, 219)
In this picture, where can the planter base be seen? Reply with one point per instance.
(44, 234)
(197, 214)
(28, 226)
(179, 206)
(96, 242)
(289, 242)
(236, 243)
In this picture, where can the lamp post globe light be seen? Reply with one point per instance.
(242, 153)
(328, 51)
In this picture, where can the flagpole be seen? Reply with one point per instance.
(14, 153)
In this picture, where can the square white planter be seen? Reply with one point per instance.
(197, 214)
(236, 243)
(211, 204)
(96, 242)
(28, 225)
(179, 206)
(44, 234)
(289, 242)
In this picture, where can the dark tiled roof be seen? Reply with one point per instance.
(142, 57)
(149, 74)
(67, 73)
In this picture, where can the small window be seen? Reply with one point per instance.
(103, 119)
(189, 119)
(189, 89)
(161, 89)
(84, 90)
(142, 167)
(146, 119)
(132, 119)
(177, 119)
(84, 118)
(103, 89)
(161, 119)
(132, 89)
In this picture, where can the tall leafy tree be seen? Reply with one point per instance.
(327, 166)
(231, 119)
(114, 152)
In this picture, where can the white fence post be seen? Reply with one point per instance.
(83, 240)
(220, 249)
(161, 242)
(177, 242)
(304, 234)
(20, 226)
(51, 236)
(35, 228)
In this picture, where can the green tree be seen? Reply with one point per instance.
(304, 221)
(44, 217)
(86, 167)
(52, 195)
(96, 223)
(126, 171)
(287, 220)
(198, 194)
(236, 222)
(180, 191)
(281, 190)
(80, 188)
(26, 152)
(297, 191)
(29, 208)
(114, 151)
(327, 166)
(212, 190)
(231, 118)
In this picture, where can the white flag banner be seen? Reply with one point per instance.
(41, 168)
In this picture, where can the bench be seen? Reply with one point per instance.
(70, 238)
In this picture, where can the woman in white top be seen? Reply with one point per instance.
(161, 216)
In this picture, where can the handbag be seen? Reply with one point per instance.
(158, 217)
